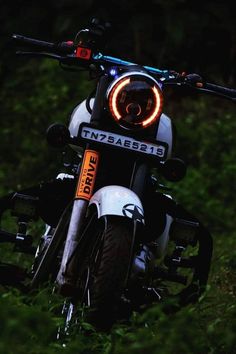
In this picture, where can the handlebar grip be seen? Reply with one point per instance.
(61, 48)
(32, 42)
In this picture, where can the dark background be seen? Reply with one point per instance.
(190, 36)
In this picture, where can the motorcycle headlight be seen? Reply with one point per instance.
(135, 100)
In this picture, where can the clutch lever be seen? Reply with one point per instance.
(39, 54)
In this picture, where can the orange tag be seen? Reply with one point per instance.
(88, 173)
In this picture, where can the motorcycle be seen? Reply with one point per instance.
(115, 240)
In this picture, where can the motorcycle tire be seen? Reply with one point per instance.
(108, 270)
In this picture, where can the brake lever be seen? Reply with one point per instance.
(39, 54)
(214, 93)
(198, 86)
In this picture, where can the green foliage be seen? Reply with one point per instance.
(45, 95)
(206, 142)
(23, 327)
(30, 322)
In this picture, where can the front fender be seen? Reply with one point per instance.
(118, 200)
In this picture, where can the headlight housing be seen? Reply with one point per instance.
(135, 100)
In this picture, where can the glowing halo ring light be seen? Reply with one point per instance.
(135, 100)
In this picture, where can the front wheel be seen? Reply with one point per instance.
(106, 271)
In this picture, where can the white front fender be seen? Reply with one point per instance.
(117, 200)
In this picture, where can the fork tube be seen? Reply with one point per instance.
(66, 277)
(98, 103)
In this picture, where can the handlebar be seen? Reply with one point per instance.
(57, 48)
(70, 54)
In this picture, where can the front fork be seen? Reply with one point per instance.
(66, 278)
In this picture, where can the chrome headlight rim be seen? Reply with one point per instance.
(115, 88)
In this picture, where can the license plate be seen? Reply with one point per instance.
(91, 134)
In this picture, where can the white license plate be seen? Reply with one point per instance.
(91, 134)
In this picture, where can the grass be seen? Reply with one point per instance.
(28, 322)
